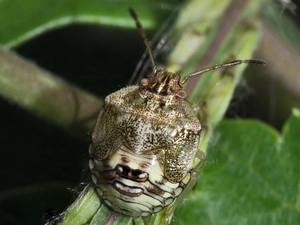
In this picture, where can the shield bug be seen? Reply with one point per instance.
(145, 141)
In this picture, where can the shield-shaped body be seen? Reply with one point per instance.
(143, 147)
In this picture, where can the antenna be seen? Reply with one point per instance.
(144, 36)
(218, 66)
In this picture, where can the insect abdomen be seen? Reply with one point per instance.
(133, 184)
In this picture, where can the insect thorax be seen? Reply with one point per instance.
(142, 150)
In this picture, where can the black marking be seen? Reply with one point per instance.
(159, 187)
(131, 174)
(155, 190)
(130, 189)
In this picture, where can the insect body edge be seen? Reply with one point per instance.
(142, 150)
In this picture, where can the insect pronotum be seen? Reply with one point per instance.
(145, 141)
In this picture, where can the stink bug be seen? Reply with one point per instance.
(145, 141)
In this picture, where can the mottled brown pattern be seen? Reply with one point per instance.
(146, 129)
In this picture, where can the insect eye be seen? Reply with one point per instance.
(144, 82)
(181, 94)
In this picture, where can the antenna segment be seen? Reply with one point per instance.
(218, 66)
(144, 36)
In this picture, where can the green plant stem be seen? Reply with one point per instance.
(283, 66)
(50, 97)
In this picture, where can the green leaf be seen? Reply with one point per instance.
(23, 20)
(252, 176)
